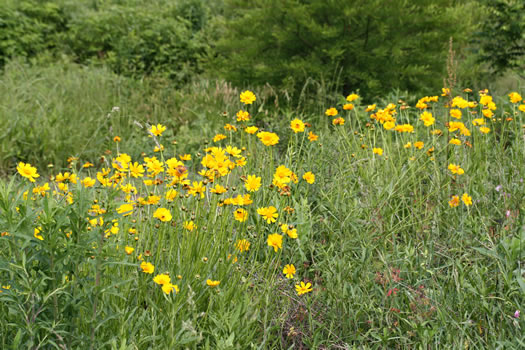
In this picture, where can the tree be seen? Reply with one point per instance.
(371, 45)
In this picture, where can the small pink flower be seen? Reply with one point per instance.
(517, 314)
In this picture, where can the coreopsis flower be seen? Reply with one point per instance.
(404, 128)
(487, 113)
(485, 100)
(117, 139)
(129, 250)
(247, 97)
(522, 108)
(309, 177)
(312, 137)
(190, 225)
(303, 288)
(466, 199)
(147, 267)
(389, 125)
(378, 151)
(136, 170)
(162, 279)
(408, 145)
(515, 97)
(229, 127)
(455, 169)
(253, 183)
(218, 189)
(185, 157)
(125, 209)
(88, 182)
(348, 106)
(169, 288)
(268, 138)
(455, 113)
(162, 214)
(158, 149)
(41, 190)
(289, 270)
(268, 213)
(331, 112)
(27, 171)
(197, 188)
(242, 245)
(484, 129)
(445, 91)
(338, 121)
(454, 201)
(297, 125)
(352, 97)
(455, 141)
(418, 144)
(212, 283)
(37, 234)
(170, 195)
(240, 215)
(275, 241)
(88, 165)
(427, 118)
(157, 130)
(219, 137)
(459, 102)
(370, 108)
(243, 116)
(251, 129)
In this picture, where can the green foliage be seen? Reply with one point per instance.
(502, 36)
(132, 38)
(368, 45)
(28, 28)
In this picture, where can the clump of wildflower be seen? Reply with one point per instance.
(243, 116)
(125, 209)
(309, 177)
(157, 130)
(242, 245)
(251, 129)
(455, 169)
(37, 234)
(303, 288)
(268, 213)
(427, 118)
(454, 202)
(515, 97)
(331, 112)
(240, 215)
(147, 267)
(189, 225)
(289, 270)
(312, 137)
(275, 241)
(27, 171)
(212, 283)
(268, 138)
(297, 125)
(253, 183)
(338, 121)
(247, 97)
(162, 214)
(466, 199)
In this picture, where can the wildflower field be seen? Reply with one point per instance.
(394, 225)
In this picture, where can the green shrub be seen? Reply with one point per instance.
(369, 45)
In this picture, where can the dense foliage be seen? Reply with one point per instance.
(503, 36)
(368, 45)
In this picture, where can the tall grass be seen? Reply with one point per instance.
(392, 264)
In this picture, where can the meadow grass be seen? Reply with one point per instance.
(393, 259)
